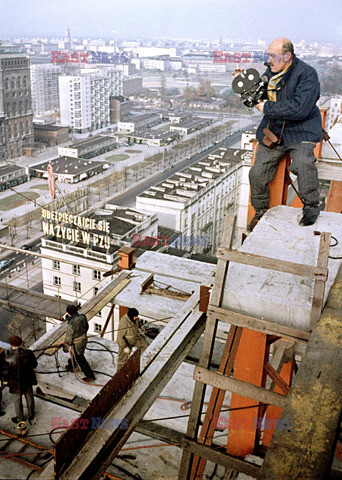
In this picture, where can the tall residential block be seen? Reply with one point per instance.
(44, 87)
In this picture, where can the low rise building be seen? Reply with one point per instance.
(195, 200)
(51, 135)
(90, 147)
(153, 137)
(11, 176)
(191, 125)
(137, 122)
(69, 169)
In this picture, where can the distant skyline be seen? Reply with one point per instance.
(311, 20)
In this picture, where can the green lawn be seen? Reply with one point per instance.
(15, 200)
(133, 151)
(117, 158)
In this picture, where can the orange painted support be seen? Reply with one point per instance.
(272, 412)
(248, 366)
(334, 199)
(122, 311)
(319, 146)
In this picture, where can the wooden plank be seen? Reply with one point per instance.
(220, 458)
(313, 408)
(329, 169)
(207, 348)
(216, 401)
(103, 331)
(239, 387)
(253, 323)
(245, 258)
(221, 268)
(160, 432)
(52, 336)
(276, 378)
(146, 283)
(319, 287)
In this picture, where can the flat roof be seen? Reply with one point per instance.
(121, 220)
(191, 122)
(186, 183)
(140, 117)
(152, 134)
(39, 126)
(68, 165)
(89, 142)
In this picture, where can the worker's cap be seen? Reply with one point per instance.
(15, 341)
(132, 312)
(71, 309)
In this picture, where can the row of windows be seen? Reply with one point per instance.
(77, 286)
(76, 270)
(11, 83)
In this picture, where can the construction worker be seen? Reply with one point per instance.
(76, 338)
(19, 372)
(129, 336)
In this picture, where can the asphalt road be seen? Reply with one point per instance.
(20, 258)
(127, 199)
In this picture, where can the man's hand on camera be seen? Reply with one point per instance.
(237, 72)
(260, 106)
(127, 350)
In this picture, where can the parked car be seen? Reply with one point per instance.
(5, 263)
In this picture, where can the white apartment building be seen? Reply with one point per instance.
(44, 87)
(84, 98)
(195, 200)
(90, 252)
(155, 64)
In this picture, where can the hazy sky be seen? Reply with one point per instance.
(312, 20)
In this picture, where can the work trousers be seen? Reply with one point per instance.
(82, 362)
(141, 343)
(303, 165)
(18, 403)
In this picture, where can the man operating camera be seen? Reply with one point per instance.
(291, 124)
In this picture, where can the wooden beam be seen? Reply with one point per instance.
(90, 309)
(245, 258)
(313, 408)
(319, 287)
(276, 378)
(220, 458)
(253, 323)
(329, 169)
(207, 349)
(146, 283)
(237, 386)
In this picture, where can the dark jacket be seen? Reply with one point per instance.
(19, 369)
(297, 94)
(76, 332)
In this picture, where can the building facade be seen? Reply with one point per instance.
(195, 200)
(44, 87)
(90, 253)
(15, 102)
(84, 98)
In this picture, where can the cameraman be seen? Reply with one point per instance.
(290, 112)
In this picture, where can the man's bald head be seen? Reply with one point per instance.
(280, 53)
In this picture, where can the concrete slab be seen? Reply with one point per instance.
(274, 296)
(152, 305)
(176, 267)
